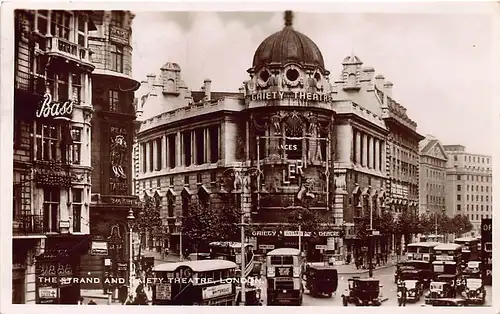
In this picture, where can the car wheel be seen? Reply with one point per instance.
(344, 301)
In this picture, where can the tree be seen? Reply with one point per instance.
(200, 226)
(148, 220)
(230, 217)
(460, 225)
(309, 220)
(407, 224)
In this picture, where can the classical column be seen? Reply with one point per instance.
(377, 154)
(371, 151)
(383, 161)
(155, 154)
(148, 156)
(358, 148)
(194, 148)
(208, 156)
(344, 143)
(163, 152)
(179, 160)
(365, 151)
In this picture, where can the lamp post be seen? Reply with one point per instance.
(300, 233)
(181, 254)
(130, 219)
(241, 184)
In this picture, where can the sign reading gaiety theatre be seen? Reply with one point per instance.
(291, 95)
(54, 109)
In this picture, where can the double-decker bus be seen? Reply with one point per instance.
(204, 282)
(421, 251)
(448, 258)
(469, 248)
(439, 238)
(231, 251)
(284, 277)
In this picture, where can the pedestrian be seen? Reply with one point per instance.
(401, 294)
(141, 297)
(81, 301)
(91, 302)
(348, 258)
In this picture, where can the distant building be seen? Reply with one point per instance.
(468, 185)
(401, 151)
(432, 180)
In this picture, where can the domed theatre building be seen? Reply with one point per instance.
(285, 148)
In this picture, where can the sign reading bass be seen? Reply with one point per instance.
(54, 109)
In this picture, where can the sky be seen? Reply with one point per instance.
(439, 63)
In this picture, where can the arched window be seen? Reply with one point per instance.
(203, 197)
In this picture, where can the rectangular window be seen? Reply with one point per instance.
(171, 150)
(213, 177)
(458, 177)
(151, 164)
(186, 180)
(467, 197)
(16, 201)
(50, 209)
(75, 150)
(117, 18)
(116, 58)
(76, 86)
(158, 183)
(81, 31)
(62, 81)
(42, 21)
(459, 197)
(459, 187)
(459, 207)
(199, 178)
(172, 181)
(143, 153)
(47, 141)
(487, 198)
(60, 24)
(186, 143)
(158, 153)
(114, 100)
(199, 136)
(214, 143)
(77, 209)
(455, 158)
(482, 207)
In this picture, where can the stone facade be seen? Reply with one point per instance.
(468, 185)
(51, 185)
(113, 126)
(432, 180)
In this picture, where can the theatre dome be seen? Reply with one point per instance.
(288, 46)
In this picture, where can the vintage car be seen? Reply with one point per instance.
(473, 269)
(439, 290)
(321, 279)
(362, 292)
(455, 281)
(414, 290)
(474, 292)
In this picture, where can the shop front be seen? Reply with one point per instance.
(57, 280)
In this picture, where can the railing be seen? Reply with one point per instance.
(65, 47)
(28, 224)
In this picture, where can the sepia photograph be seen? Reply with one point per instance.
(264, 157)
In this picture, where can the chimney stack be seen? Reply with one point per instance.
(208, 89)
(369, 73)
(388, 89)
(379, 82)
(151, 80)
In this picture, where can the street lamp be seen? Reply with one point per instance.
(181, 254)
(130, 219)
(300, 233)
(240, 185)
